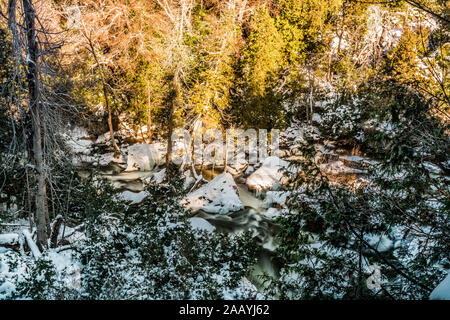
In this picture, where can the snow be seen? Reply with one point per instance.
(145, 157)
(78, 140)
(432, 168)
(316, 118)
(249, 170)
(269, 175)
(12, 269)
(108, 158)
(61, 260)
(159, 177)
(272, 213)
(180, 150)
(31, 244)
(189, 180)
(133, 197)
(381, 243)
(338, 168)
(296, 135)
(352, 158)
(104, 138)
(9, 239)
(201, 224)
(442, 291)
(276, 197)
(237, 167)
(355, 162)
(219, 196)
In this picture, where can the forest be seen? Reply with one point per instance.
(224, 149)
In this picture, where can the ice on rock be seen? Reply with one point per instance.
(219, 196)
(269, 175)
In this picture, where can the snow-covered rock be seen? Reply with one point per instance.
(159, 176)
(269, 175)
(201, 224)
(189, 180)
(442, 291)
(355, 162)
(316, 118)
(338, 168)
(237, 167)
(133, 197)
(276, 197)
(272, 213)
(104, 138)
(219, 196)
(109, 158)
(78, 140)
(145, 157)
(250, 169)
(9, 239)
(432, 168)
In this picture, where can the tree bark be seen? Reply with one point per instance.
(35, 106)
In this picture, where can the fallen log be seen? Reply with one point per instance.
(31, 244)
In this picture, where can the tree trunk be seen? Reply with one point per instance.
(149, 115)
(111, 129)
(174, 103)
(169, 136)
(105, 93)
(34, 101)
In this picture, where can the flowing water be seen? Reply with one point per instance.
(251, 218)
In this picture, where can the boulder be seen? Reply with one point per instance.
(79, 141)
(355, 162)
(338, 168)
(145, 157)
(219, 196)
(277, 198)
(133, 197)
(270, 175)
(9, 240)
(201, 224)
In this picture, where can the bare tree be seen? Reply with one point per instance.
(26, 52)
(105, 91)
(178, 14)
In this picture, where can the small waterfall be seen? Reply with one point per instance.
(251, 218)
